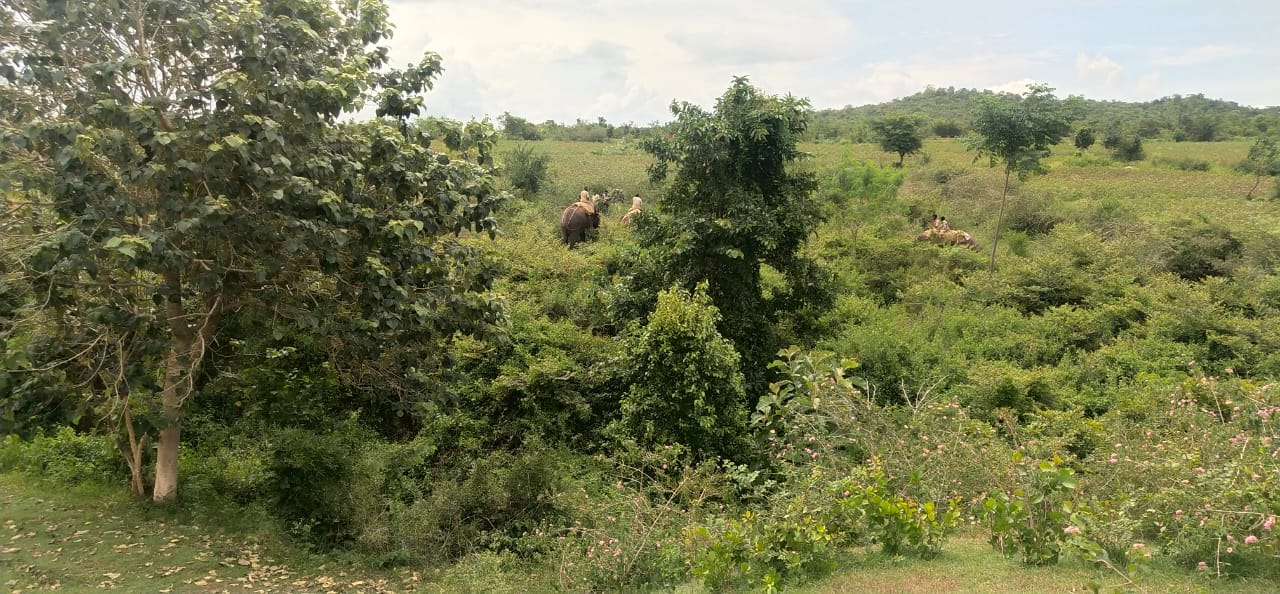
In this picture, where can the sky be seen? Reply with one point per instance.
(627, 60)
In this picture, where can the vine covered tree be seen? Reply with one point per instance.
(1016, 132)
(899, 134)
(734, 205)
(1263, 159)
(181, 162)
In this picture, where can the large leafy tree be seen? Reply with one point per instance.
(734, 204)
(1016, 131)
(183, 162)
(899, 134)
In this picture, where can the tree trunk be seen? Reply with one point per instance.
(1257, 181)
(166, 489)
(187, 348)
(134, 457)
(1000, 219)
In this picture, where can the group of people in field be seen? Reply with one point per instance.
(584, 215)
(938, 224)
(938, 230)
(597, 204)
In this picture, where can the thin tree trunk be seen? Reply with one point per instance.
(134, 458)
(1256, 181)
(1000, 219)
(166, 489)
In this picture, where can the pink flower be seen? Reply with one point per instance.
(1071, 530)
(1271, 521)
(1202, 566)
(1250, 539)
(1137, 546)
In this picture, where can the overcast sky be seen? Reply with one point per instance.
(627, 60)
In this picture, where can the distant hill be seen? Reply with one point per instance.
(1189, 117)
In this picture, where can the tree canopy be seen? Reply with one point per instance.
(899, 134)
(181, 163)
(1016, 133)
(734, 205)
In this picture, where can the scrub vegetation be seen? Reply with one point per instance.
(247, 344)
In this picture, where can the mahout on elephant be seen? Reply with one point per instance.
(576, 221)
(948, 237)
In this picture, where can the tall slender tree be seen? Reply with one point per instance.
(191, 159)
(1016, 132)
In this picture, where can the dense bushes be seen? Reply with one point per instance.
(685, 385)
(65, 457)
(526, 169)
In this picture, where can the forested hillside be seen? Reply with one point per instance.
(228, 306)
(948, 112)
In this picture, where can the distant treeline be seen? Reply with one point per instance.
(947, 113)
(518, 128)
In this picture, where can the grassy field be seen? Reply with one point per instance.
(99, 540)
(945, 178)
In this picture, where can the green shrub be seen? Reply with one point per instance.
(234, 466)
(1033, 217)
(318, 485)
(1192, 470)
(1181, 163)
(1125, 147)
(1034, 515)
(629, 512)
(800, 533)
(999, 391)
(526, 169)
(65, 457)
(1201, 248)
(686, 387)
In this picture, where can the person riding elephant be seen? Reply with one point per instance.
(576, 220)
(636, 204)
(950, 237)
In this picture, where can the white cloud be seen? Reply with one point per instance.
(1147, 86)
(979, 68)
(1201, 55)
(1016, 87)
(626, 61)
(1099, 68)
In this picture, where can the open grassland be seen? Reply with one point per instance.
(948, 180)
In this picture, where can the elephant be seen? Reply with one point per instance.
(949, 237)
(575, 221)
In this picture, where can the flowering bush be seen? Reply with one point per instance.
(1196, 472)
